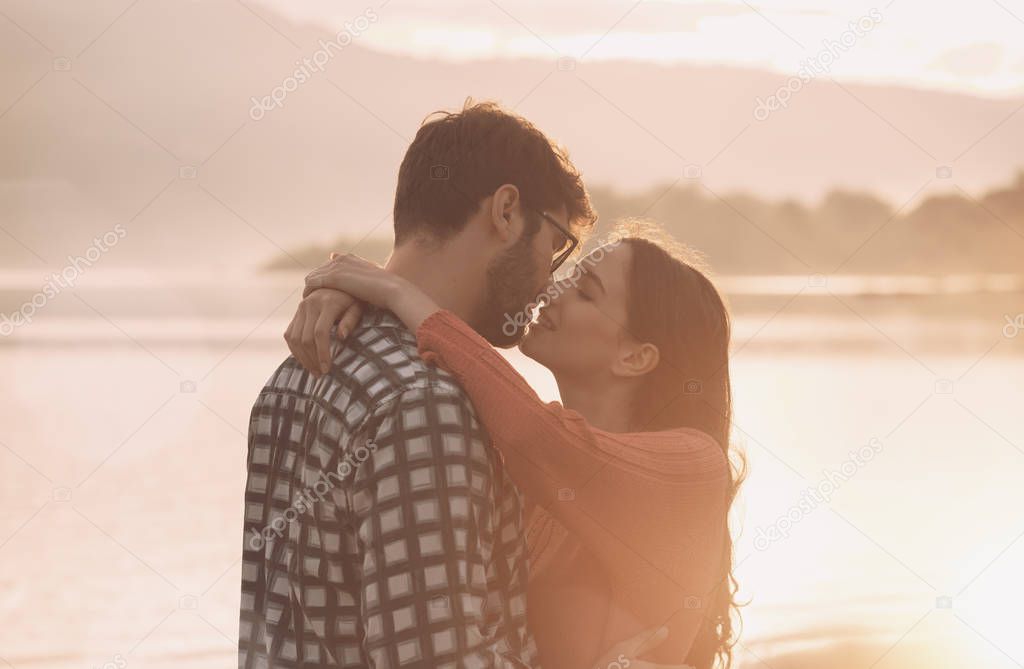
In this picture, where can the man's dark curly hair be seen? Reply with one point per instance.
(459, 158)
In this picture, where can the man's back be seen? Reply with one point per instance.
(380, 528)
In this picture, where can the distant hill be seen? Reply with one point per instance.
(853, 232)
(102, 141)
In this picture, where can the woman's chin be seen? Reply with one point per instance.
(529, 345)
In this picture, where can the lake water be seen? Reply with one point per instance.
(122, 461)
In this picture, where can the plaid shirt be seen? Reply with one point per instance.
(380, 528)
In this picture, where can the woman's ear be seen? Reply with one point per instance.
(636, 359)
(503, 205)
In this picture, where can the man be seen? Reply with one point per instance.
(380, 528)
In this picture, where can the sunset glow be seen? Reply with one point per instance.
(973, 48)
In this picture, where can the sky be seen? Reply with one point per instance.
(975, 47)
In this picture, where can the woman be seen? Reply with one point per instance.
(629, 481)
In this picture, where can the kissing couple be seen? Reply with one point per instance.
(412, 502)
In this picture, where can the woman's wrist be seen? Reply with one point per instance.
(409, 303)
(394, 294)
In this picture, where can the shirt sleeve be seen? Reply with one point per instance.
(443, 569)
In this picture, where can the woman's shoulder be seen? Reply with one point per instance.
(683, 455)
(714, 455)
(695, 438)
(675, 441)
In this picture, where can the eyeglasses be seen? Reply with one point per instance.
(568, 245)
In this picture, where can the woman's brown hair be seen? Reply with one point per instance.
(674, 305)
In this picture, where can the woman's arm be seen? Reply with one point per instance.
(524, 425)
(546, 447)
(332, 295)
(650, 506)
(637, 500)
(551, 447)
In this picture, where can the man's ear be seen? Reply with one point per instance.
(635, 359)
(504, 208)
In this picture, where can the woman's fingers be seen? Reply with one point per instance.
(322, 340)
(332, 306)
(349, 320)
(315, 278)
(348, 273)
(308, 340)
(323, 277)
(293, 335)
(309, 334)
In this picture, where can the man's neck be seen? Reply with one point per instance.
(442, 274)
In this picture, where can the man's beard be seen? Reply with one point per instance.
(509, 290)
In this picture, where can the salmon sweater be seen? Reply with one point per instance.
(626, 530)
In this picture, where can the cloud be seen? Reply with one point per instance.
(975, 60)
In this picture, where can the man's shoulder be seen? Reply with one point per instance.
(377, 367)
(383, 362)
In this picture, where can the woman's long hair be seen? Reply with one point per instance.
(674, 305)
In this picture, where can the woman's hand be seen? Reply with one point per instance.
(332, 295)
(309, 333)
(359, 278)
(368, 282)
(624, 654)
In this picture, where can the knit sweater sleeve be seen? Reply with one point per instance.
(649, 504)
(525, 427)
